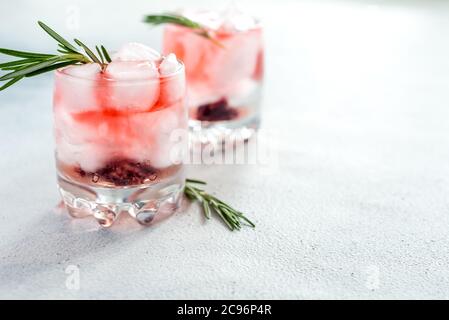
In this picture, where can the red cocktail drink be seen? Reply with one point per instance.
(118, 135)
(224, 75)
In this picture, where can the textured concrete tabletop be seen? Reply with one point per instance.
(356, 96)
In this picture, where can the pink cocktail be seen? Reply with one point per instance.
(118, 133)
(224, 75)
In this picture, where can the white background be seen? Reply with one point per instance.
(356, 95)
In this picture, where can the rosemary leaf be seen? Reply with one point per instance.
(231, 217)
(51, 68)
(195, 181)
(21, 67)
(106, 54)
(30, 69)
(10, 83)
(172, 19)
(16, 63)
(23, 54)
(180, 20)
(88, 52)
(16, 68)
(210, 204)
(206, 209)
(63, 50)
(197, 195)
(230, 225)
(100, 54)
(189, 195)
(57, 37)
(60, 46)
(247, 220)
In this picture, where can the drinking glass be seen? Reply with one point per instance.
(224, 75)
(119, 143)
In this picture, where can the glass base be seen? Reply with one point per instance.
(217, 134)
(147, 204)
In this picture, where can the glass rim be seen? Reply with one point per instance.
(180, 70)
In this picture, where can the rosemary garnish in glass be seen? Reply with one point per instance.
(32, 64)
(172, 18)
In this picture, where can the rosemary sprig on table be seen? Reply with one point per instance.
(32, 64)
(232, 217)
(172, 18)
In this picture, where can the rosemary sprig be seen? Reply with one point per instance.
(231, 217)
(180, 20)
(32, 64)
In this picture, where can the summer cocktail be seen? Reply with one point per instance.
(224, 56)
(115, 149)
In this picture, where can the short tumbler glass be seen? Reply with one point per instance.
(117, 146)
(224, 79)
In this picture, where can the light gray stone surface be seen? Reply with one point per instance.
(357, 97)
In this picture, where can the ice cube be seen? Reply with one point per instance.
(154, 130)
(90, 157)
(207, 18)
(134, 51)
(234, 20)
(84, 71)
(131, 70)
(165, 143)
(231, 20)
(172, 84)
(71, 130)
(133, 86)
(75, 87)
(169, 65)
(76, 143)
(168, 134)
